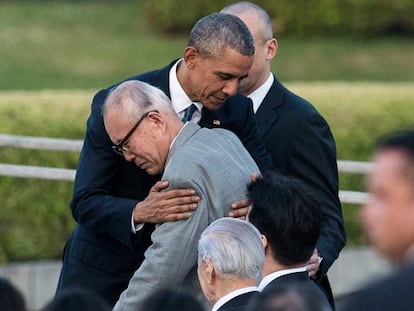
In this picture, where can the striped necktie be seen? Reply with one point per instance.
(188, 114)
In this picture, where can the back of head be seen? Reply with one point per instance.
(170, 300)
(215, 33)
(11, 298)
(291, 296)
(78, 299)
(234, 248)
(262, 18)
(284, 211)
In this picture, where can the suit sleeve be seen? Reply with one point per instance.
(92, 205)
(252, 141)
(312, 158)
(171, 256)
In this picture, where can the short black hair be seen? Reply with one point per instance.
(215, 33)
(11, 299)
(285, 212)
(401, 140)
(77, 298)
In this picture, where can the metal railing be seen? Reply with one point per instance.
(45, 143)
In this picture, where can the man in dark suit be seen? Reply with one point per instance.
(388, 220)
(230, 259)
(289, 219)
(297, 137)
(115, 203)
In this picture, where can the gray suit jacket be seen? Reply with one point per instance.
(215, 164)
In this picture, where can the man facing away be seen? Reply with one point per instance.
(230, 259)
(297, 137)
(116, 204)
(289, 219)
(212, 162)
(388, 220)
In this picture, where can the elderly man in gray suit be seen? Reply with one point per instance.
(142, 124)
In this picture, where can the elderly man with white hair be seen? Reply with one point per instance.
(230, 259)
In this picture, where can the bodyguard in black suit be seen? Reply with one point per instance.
(297, 137)
(388, 221)
(115, 203)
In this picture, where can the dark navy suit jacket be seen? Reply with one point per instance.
(102, 253)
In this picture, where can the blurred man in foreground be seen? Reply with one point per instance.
(388, 219)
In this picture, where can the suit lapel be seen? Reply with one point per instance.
(267, 113)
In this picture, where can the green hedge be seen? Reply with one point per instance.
(299, 17)
(35, 219)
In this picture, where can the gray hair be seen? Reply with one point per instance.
(135, 98)
(262, 18)
(216, 32)
(234, 248)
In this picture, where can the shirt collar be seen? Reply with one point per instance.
(260, 93)
(272, 276)
(231, 295)
(179, 98)
(178, 134)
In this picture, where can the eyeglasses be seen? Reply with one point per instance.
(120, 147)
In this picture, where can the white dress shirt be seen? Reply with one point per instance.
(179, 98)
(272, 276)
(231, 295)
(260, 93)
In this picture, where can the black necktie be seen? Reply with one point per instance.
(189, 113)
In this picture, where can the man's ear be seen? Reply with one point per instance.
(156, 118)
(272, 47)
(264, 241)
(191, 57)
(210, 271)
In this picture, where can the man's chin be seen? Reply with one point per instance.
(152, 171)
(214, 104)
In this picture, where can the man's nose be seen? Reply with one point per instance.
(231, 87)
(129, 156)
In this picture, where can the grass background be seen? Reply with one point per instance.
(54, 56)
(83, 45)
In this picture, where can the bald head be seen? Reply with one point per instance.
(246, 9)
(259, 24)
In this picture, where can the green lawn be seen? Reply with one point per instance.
(91, 44)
